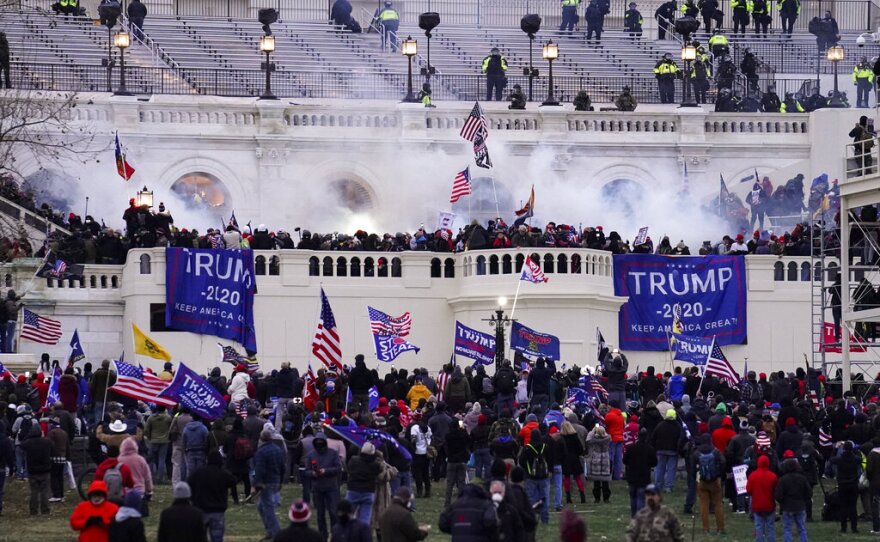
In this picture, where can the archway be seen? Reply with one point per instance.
(351, 195)
(622, 195)
(200, 190)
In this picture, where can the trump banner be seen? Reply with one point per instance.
(211, 292)
(710, 291)
(692, 349)
(533, 343)
(195, 393)
(474, 344)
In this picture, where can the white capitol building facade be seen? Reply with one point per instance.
(271, 161)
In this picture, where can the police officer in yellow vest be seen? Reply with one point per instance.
(761, 16)
(389, 21)
(741, 15)
(495, 68)
(569, 15)
(718, 44)
(69, 7)
(667, 72)
(788, 14)
(791, 104)
(863, 77)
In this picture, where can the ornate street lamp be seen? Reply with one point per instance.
(499, 321)
(688, 55)
(145, 197)
(122, 40)
(835, 55)
(267, 45)
(550, 53)
(409, 48)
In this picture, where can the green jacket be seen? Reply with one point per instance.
(158, 428)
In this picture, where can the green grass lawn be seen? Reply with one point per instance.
(604, 521)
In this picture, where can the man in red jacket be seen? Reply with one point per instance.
(760, 487)
(615, 422)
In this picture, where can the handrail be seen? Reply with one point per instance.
(420, 61)
(159, 55)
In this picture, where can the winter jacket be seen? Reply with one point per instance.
(141, 476)
(792, 491)
(332, 465)
(722, 436)
(417, 392)
(182, 521)
(525, 434)
(790, 439)
(300, 532)
(848, 466)
(397, 524)
(238, 388)
(676, 387)
(363, 471)
(68, 392)
(574, 449)
(210, 488)
(439, 425)
(471, 518)
(666, 436)
(457, 445)
(195, 437)
(457, 393)
(124, 472)
(352, 530)
(761, 486)
(38, 450)
(268, 464)
(85, 510)
(650, 387)
(872, 469)
(158, 428)
(614, 421)
(639, 459)
(598, 460)
(127, 526)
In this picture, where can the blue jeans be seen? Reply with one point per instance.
(664, 472)
(195, 461)
(9, 338)
(216, 524)
(403, 479)
(158, 455)
(483, 460)
(504, 401)
(615, 451)
(557, 485)
(636, 499)
(98, 411)
(765, 526)
(270, 499)
(789, 518)
(363, 504)
(539, 490)
(20, 463)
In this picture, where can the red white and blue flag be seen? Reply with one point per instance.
(531, 272)
(461, 185)
(718, 365)
(383, 324)
(138, 384)
(40, 329)
(326, 346)
(123, 168)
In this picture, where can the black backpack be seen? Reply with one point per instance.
(506, 382)
(538, 468)
(24, 429)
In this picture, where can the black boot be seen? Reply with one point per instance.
(597, 494)
(568, 497)
(583, 498)
(418, 492)
(427, 492)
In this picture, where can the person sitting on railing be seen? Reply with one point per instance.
(582, 101)
(626, 101)
(517, 99)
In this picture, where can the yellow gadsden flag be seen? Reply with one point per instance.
(148, 347)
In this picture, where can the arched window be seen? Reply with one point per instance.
(562, 263)
(202, 191)
(506, 264)
(449, 268)
(114, 282)
(328, 267)
(548, 263)
(396, 268)
(576, 264)
(260, 265)
(313, 266)
(481, 265)
(778, 271)
(146, 267)
(355, 267)
(341, 267)
(435, 268)
(275, 266)
(383, 267)
(369, 270)
(493, 265)
(103, 281)
(520, 260)
(805, 271)
(352, 195)
(93, 281)
(792, 272)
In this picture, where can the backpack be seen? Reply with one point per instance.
(708, 466)
(506, 383)
(24, 429)
(113, 479)
(243, 449)
(538, 469)
(487, 386)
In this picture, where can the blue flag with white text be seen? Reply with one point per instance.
(374, 399)
(359, 435)
(211, 292)
(388, 347)
(53, 397)
(533, 343)
(474, 344)
(692, 349)
(195, 393)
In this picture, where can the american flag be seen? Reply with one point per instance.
(59, 268)
(138, 384)
(475, 124)
(228, 354)
(4, 371)
(326, 346)
(720, 367)
(531, 272)
(461, 185)
(40, 329)
(824, 437)
(576, 396)
(442, 379)
(310, 390)
(382, 324)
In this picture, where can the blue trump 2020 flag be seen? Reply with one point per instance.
(709, 290)
(474, 344)
(373, 399)
(388, 347)
(533, 343)
(52, 397)
(692, 349)
(359, 435)
(195, 393)
(211, 292)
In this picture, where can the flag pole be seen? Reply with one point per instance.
(30, 285)
(702, 370)
(495, 195)
(513, 308)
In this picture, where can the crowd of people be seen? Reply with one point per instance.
(512, 446)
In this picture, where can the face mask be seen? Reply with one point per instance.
(497, 497)
(320, 446)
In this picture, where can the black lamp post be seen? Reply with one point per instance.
(550, 53)
(267, 45)
(410, 48)
(835, 55)
(530, 24)
(122, 40)
(428, 22)
(688, 55)
(498, 321)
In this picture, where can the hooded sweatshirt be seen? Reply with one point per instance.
(140, 470)
(761, 486)
(85, 510)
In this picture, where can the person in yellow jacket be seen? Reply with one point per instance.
(788, 14)
(388, 20)
(863, 78)
(667, 72)
(425, 96)
(569, 15)
(416, 392)
(495, 68)
(791, 104)
(741, 15)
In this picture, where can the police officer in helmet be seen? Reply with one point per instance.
(495, 68)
